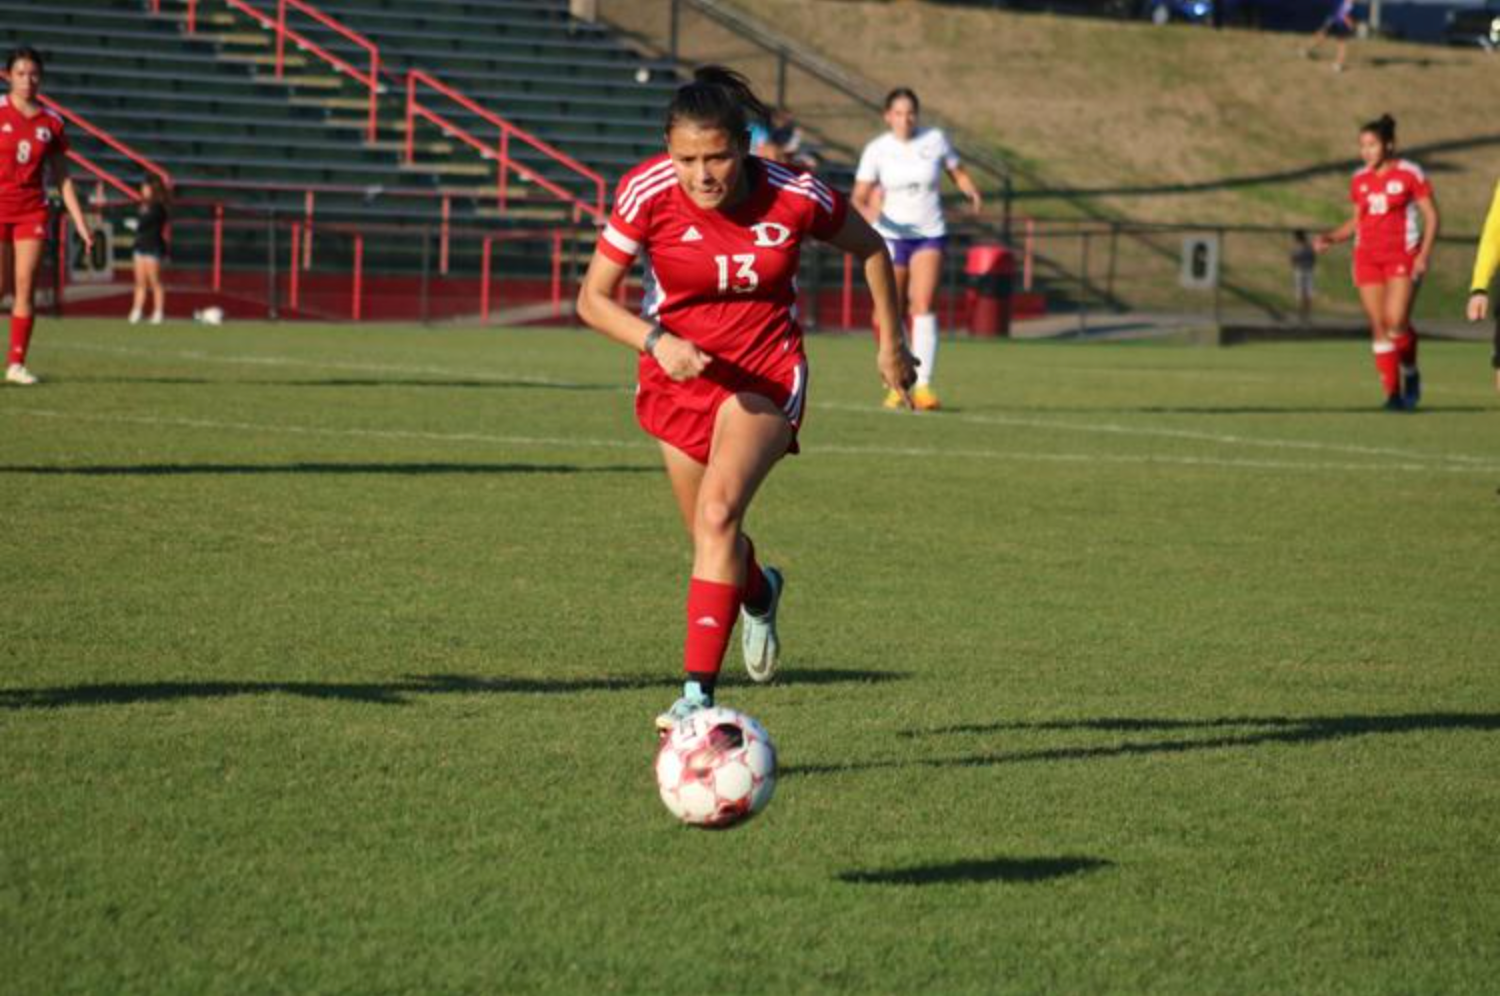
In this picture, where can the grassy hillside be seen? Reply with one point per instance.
(1132, 122)
(1171, 124)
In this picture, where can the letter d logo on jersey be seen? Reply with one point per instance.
(770, 234)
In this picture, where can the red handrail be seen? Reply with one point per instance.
(88, 127)
(103, 174)
(415, 109)
(501, 151)
(369, 79)
(83, 124)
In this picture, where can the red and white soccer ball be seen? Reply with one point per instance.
(716, 768)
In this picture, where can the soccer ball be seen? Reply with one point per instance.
(212, 315)
(716, 768)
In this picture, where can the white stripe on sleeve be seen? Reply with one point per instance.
(621, 241)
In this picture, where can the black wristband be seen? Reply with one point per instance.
(648, 345)
(1479, 292)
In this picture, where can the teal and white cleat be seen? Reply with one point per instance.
(693, 699)
(758, 637)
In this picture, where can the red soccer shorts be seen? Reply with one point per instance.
(1372, 270)
(683, 414)
(29, 227)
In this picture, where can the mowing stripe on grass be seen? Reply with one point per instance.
(919, 452)
(198, 356)
(1112, 428)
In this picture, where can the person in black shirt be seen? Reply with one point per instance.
(150, 224)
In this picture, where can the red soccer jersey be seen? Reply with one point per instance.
(725, 280)
(25, 146)
(1387, 204)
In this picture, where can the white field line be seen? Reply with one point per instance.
(1224, 439)
(1111, 428)
(643, 447)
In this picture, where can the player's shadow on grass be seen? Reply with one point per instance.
(1214, 734)
(994, 870)
(399, 469)
(403, 691)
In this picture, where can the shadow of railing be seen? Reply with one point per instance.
(401, 691)
(1259, 731)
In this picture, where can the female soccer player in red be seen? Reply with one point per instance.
(722, 373)
(1391, 253)
(32, 139)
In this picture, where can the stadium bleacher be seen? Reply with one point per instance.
(209, 107)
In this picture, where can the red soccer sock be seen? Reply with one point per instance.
(1406, 348)
(755, 594)
(20, 337)
(712, 608)
(1388, 365)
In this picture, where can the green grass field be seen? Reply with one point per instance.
(331, 658)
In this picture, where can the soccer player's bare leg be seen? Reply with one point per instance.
(142, 285)
(903, 281)
(158, 293)
(1387, 363)
(7, 270)
(921, 291)
(27, 256)
(1400, 295)
(750, 435)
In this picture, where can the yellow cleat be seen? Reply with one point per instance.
(892, 399)
(924, 400)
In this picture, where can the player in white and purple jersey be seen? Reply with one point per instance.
(722, 376)
(898, 187)
(1340, 27)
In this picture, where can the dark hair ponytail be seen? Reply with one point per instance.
(23, 52)
(160, 192)
(1383, 128)
(717, 98)
(903, 92)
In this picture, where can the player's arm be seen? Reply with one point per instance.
(64, 182)
(897, 365)
(600, 310)
(865, 197)
(1326, 240)
(966, 184)
(1431, 222)
(1485, 262)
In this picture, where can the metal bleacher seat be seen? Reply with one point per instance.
(209, 107)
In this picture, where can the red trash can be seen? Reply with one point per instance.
(988, 272)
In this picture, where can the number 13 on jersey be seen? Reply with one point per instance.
(745, 278)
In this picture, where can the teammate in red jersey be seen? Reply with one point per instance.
(32, 141)
(1394, 224)
(722, 373)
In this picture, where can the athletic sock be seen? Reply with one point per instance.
(1388, 365)
(711, 611)
(20, 337)
(756, 594)
(924, 346)
(1406, 349)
